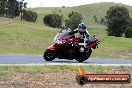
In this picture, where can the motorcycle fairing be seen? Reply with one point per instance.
(52, 47)
(91, 40)
(63, 34)
(67, 52)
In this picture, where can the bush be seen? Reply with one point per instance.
(128, 32)
(63, 6)
(95, 19)
(129, 22)
(53, 20)
(74, 19)
(116, 19)
(30, 16)
(102, 21)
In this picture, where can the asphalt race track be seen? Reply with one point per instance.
(21, 59)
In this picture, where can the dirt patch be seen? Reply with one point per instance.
(6, 21)
(57, 79)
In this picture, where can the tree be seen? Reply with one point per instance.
(128, 32)
(22, 6)
(53, 20)
(75, 18)
(116, 19)
(12, 8)
(29, 16)
(63, 6)
(3, 7)
(129, 22)
(102, 21)
(95, 19)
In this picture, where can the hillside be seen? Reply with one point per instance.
(33, 38)
(30, 38)
(88, 11)
(24, 37)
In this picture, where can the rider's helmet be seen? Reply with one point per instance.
(82, 27)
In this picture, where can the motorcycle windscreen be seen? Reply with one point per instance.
(64, 34)
(91, 40)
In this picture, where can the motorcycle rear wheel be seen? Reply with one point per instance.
(49, 55)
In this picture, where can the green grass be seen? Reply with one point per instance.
(31, 38)
(112, 47)
(9, 70)
(24, 37)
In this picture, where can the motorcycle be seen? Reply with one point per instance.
(71, 48)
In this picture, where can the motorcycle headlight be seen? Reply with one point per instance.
(81, 49)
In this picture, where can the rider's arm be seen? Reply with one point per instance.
(87, 34)
(74, 31)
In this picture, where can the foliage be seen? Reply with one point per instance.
(128, 32)
(11, 8)
(2, 7)
(30, 16)
(102, 21)
(75, 18)
(53, 20)
(22, 6)
(63, 6)
(95, 19)
(129, 22)
(38, 37)
(116, 20)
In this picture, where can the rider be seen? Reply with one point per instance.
(82, 30)
(83, 34)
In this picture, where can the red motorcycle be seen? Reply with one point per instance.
(71, 48)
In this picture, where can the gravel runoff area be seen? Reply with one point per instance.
(58, 79)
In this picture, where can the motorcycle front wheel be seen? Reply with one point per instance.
(49, 55)
(84, 56)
